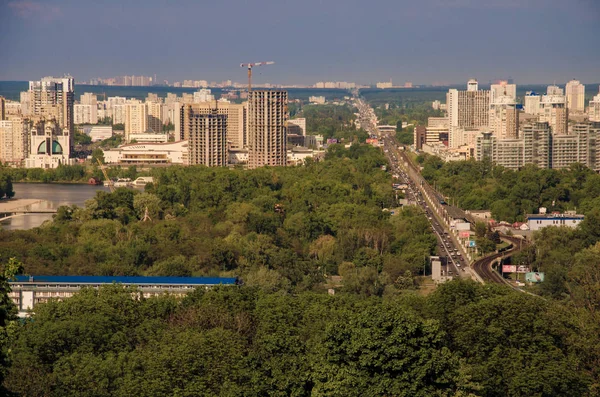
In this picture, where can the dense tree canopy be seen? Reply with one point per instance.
(463, 340)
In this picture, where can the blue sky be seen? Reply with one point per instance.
(423, 41)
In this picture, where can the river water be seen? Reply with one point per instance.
(53, 195)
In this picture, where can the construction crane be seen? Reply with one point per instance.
(250, 66)
(109, 183)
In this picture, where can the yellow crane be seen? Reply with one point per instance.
(108, 182)
(250, 66)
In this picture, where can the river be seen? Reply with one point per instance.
(53, 195)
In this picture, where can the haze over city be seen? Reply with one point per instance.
(426, 42)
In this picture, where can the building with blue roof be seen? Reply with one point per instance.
(28, 291)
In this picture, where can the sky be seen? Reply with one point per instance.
(364, 41)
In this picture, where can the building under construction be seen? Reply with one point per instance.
(267, 131)
(206, 133)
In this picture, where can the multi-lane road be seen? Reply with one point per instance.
(419, 192)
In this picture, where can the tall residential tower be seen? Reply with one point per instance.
(267, 130)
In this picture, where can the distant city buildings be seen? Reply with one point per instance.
(206, 133)
(468, 113)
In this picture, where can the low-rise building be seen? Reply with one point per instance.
(540, 221)
(148, 153)
(29, 291)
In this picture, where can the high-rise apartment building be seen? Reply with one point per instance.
(532, 103)
(13, 141)
(85, 114)
(575, 93)
(504, 117)
(467, 111)
(136, 119)
(537, 144)
(53, 98)
(154, 114)
(594, 108)
(206, 133)
(267, 131)
(554, 90)
(553, 111)
(236, 121)
(503, 89)
(577, 147)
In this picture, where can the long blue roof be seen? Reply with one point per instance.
(127, 280)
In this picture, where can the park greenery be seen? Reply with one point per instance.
(510, 194)
(285, 232)
(287, 228)
(464, 339)
(332, 121)
(78, 173)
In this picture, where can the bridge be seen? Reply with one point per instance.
(20, 212)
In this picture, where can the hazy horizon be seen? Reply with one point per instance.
(426, 42)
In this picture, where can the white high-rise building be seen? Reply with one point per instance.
(136, 119)
(85, 114)
(504, 117)
(468, 113)
(554, 90)
(532, 103)
(503, 89)
(203, 95)
(575, 92)
(553, 111)
(594, 109)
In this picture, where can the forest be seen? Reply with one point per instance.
(465, 339)
(332, 121)
(284, 232)
(285, 228)
(509, 194)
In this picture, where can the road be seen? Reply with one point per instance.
(454, 262)
(454, 256)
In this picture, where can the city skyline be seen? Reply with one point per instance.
(426, 43)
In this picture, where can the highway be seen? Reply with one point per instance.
(455, 259)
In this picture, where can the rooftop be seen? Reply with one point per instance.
(134, 280)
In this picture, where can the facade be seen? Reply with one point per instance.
(537, 144)
(503, 89)
(98, 132)
(2, 108)
(48, 145)
(267, 117)
(420, 136)
(148, 153)
(85, 114)
(575, 93)
(532, 103)
(207, 135)
(594, 109)
(540, 221)
(504, 117)
(13, 141)
(555, 90)
(53, 98)
(154, 117)
(28, 291)
(468, 111)
(136, 118)
(297, 126)
(236, 114)
(553, 111)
